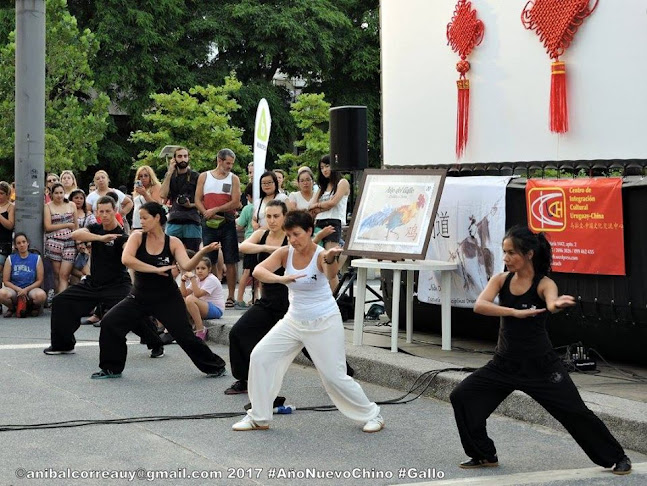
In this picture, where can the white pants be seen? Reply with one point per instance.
(324, 340)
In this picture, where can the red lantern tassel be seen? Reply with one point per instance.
(462, 115)
(558, 104)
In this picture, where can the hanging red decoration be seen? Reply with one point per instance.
(464, 32)
(556, 23)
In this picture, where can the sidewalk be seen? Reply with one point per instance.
(618, 399)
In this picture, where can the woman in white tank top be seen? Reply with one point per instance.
(312, 320)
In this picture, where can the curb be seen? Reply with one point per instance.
(626, 419)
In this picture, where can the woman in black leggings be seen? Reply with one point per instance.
(524, 359)
(152, 254)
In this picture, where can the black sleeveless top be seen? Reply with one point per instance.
(151, 284)
(5, 237)
(276, 293)
(522, 338)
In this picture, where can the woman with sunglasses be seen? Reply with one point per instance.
(146, 189)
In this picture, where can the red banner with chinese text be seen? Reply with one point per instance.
(582, 219)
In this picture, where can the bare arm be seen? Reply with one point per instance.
(183, 260)
(84, 234)
(199, 197)
(547, 289)
(10, 220)
(166, 183)
(6, 275)
(343, 189)
(126, 205)
(251, 245)
(264, 271)
(328, 262)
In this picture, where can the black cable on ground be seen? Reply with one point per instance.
(420, 385)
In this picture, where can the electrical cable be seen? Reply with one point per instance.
(420, 385)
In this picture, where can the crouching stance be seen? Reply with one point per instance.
(153, 254)
(313, 321)
(524, 359)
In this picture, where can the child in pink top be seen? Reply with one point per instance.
(203, 296)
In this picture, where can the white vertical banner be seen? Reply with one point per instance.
(261, 138)
(469, 230)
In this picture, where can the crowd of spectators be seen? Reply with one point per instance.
(201, 208)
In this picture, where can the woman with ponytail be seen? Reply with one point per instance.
(524, 359)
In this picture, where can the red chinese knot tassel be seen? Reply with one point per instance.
(556, 22)
(463, 108)
(463, 33)
(558, 103)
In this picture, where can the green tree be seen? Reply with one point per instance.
(310, 113)
(75, 112)
(198, 119)
(256, 38)
(355, 79)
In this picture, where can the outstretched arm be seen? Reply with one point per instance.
(547, 289)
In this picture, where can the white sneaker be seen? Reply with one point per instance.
(374, 425)
(248, 424)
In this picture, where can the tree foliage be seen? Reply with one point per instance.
(310, 113)
(75, 112)
(256, 38)
(198, 119)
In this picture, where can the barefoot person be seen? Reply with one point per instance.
(312, 320)
(524, 359)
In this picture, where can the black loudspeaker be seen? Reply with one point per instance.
(348, 138)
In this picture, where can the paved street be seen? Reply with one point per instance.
(419, 443)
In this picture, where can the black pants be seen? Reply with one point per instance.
(476, 397)
(170, 310)
(252, 326)
(78, 300)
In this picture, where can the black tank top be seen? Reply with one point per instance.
(522, 338)
(148, 284)
(277, 293)
(5, 237)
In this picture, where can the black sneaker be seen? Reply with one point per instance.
(623, 466)
(216, 374)
(477, 463)
(103, 374)
(237, 388)
(51, 351)
(157, 352)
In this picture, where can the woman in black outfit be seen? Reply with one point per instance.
(524, 359)
(153, 254)
(266, 311)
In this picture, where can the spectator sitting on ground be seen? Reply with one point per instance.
(22, 277)
(203, 296)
